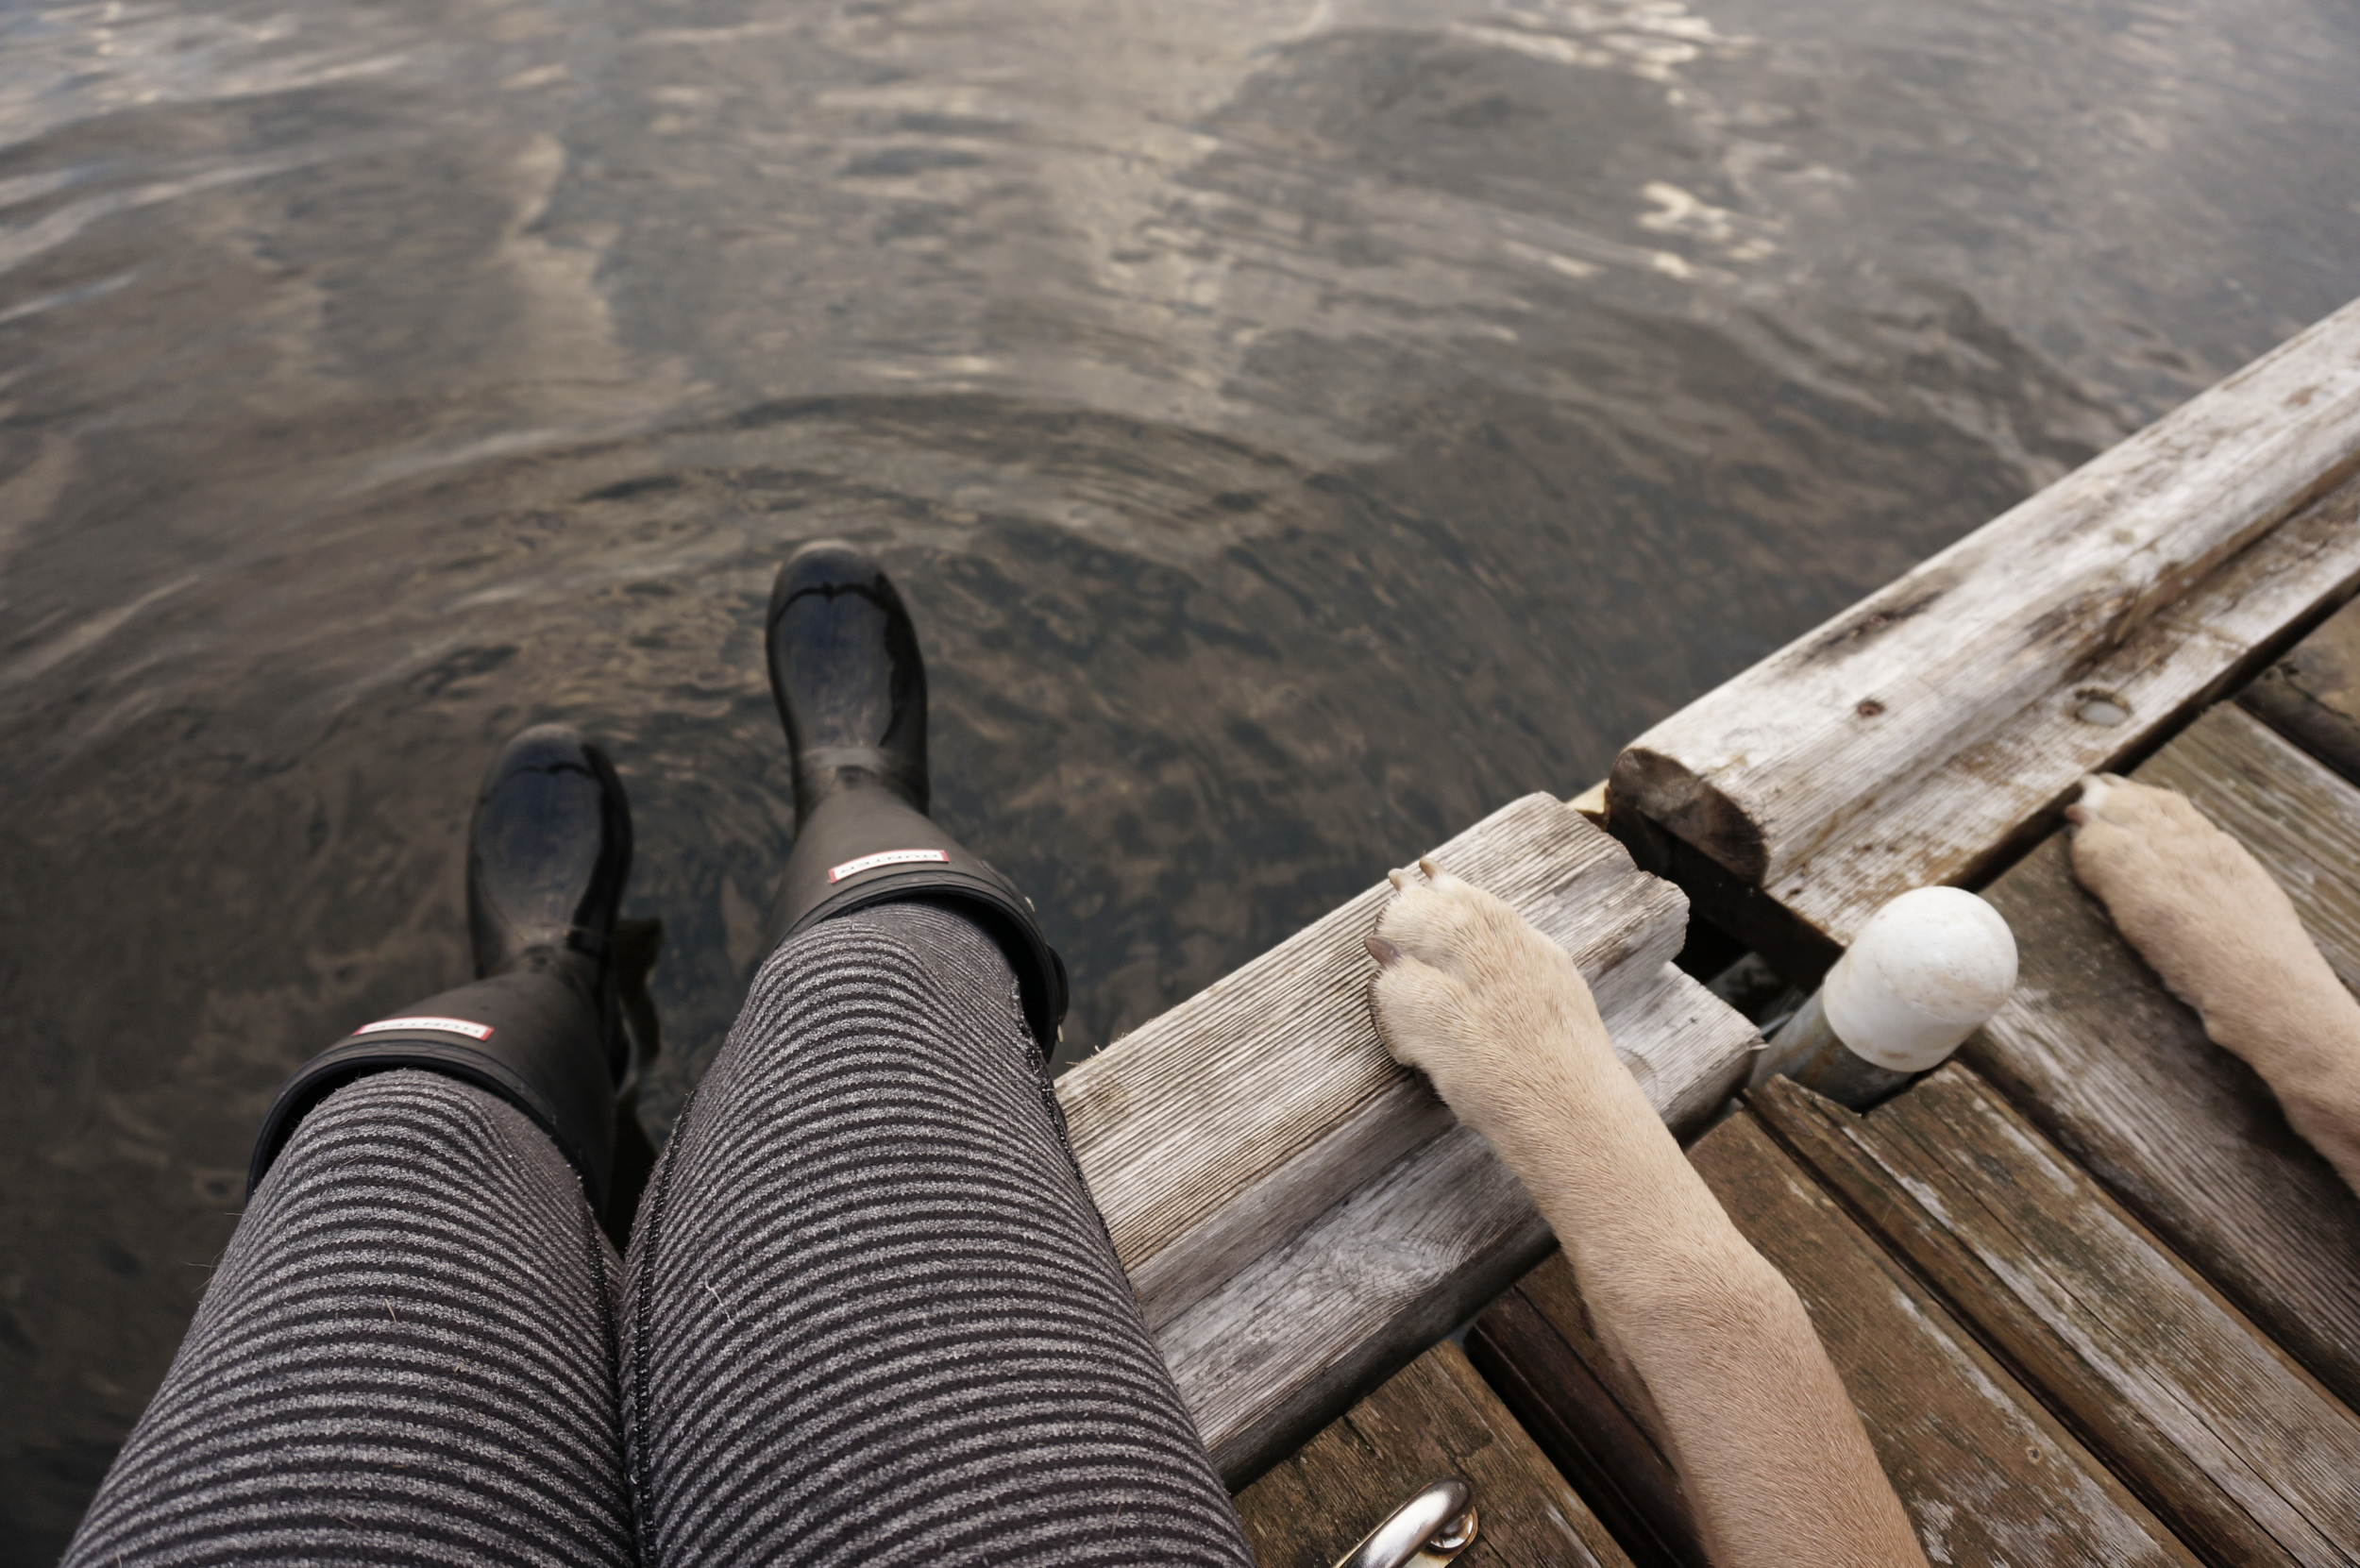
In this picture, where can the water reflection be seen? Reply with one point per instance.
(1298, 431)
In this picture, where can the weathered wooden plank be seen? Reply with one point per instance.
(1911, 739)
(2122, 1076)
(1290, 1340)
(2248, 1460)
(1435, 1417)
(2312, 696)
(1760, 770)
(1222, 1128)
(1987, 1474)
(1985, 803)
(1282, 1345)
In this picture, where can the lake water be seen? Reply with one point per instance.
(1298, 429)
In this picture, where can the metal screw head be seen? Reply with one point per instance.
(2102, 708)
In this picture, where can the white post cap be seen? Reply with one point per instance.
(1925, 972)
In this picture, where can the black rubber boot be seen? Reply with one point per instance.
(548, 854)
(851, 692)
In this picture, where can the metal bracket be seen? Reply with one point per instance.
(1435, 1526)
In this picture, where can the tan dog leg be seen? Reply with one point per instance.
(2226, 940)
(1774, 1460)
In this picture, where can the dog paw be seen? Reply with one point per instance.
(2195, 903)
(1469, 993)
(2226, 939)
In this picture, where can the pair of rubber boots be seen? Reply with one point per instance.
(549, 850)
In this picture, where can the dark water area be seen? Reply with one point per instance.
(1298, 429)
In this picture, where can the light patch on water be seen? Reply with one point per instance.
(56, 227)
(84, 635)
(1650, 39)
(552, 75)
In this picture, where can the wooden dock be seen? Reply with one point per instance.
(2095, 1302)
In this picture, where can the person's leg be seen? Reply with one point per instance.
(406, 1356)
(872, 1316)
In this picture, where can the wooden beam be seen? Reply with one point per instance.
(1435, 1417)
(1987, 1474)
(1911, 738)
(1299, 1215)
(2249, 1460)
(1226, 1125)
(2120, 1075)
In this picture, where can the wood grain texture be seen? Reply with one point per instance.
(2248, 1460)
(1284, 1344)
(1981, 807)
(2312, 696)
(1911, 739)
(1435, 1417)
(1223, 1127)
(1987, 1474)
(2120, 1075)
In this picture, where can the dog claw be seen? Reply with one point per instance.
(1386, 954)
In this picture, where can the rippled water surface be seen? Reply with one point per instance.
(1299, 429)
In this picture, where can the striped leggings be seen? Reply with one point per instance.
(869, 1316)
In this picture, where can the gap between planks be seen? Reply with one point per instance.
(2247, 1459)
(1984, 1470)
(1435, 1417)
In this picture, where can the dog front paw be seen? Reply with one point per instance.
(2194, 902)
(1470, 994)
